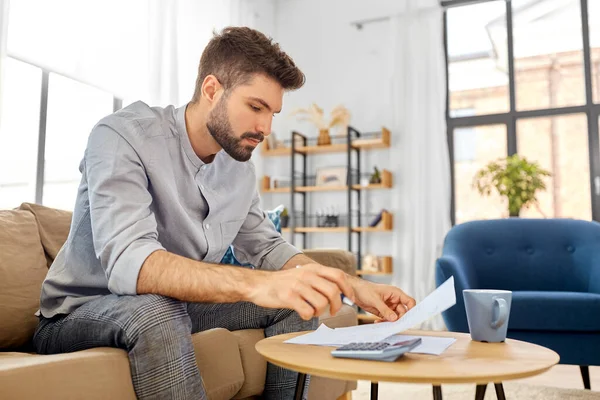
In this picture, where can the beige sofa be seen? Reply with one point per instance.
(30, 237)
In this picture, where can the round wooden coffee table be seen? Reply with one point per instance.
(466, 361)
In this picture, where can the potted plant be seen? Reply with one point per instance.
(515, 178)
(340, 116)
(284, 218)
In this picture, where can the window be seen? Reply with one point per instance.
(477, 69)
(548, 59)
(73, 110)
(543, 118)
(489, 144)
(19, 134)
(559, 145)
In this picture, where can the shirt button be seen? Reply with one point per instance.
(201, 187)
(203, 167)
(207, 226)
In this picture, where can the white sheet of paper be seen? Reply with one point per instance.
(438, 301)
(433, 345)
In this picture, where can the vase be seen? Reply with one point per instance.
(324, 138)
(284, 220)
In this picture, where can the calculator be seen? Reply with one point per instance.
(379, 351)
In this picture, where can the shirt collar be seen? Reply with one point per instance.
(184, 137)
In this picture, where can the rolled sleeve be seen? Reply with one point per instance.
(259, 243)
(123, 226)
(125, 272)
(277, 258)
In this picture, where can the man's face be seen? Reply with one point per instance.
(242, 116)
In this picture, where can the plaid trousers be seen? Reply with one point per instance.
(156, 333)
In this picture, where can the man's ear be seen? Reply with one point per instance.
(211, 88)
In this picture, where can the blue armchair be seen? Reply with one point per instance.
(553, 268)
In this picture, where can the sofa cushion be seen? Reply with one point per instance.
(22, 271)
(255, 368)
(104, 373)
(555, 311)
(341, 259)
(53, 226)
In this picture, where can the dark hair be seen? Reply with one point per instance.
(237, 53)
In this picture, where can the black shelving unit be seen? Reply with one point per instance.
(353, 176)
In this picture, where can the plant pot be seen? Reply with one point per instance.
(324, 138)
(285, 220)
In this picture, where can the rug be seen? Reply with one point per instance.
(513, 391)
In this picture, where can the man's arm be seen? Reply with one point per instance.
(310, 290)
(188, 280)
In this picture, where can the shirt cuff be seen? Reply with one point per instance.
(124, 275)
(276, 258)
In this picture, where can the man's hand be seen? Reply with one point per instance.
(385, 301)
(309, 290)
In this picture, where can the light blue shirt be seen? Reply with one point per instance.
(143, 188)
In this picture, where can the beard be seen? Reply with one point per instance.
(220, 129)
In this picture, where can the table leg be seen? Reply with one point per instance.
(480, 392)
(374, 390)
(437, 392)
(300, 386)
(499, 391)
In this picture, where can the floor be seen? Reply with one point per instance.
(560, 376)
(565, 376)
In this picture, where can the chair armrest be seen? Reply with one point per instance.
(341, 259)
(464, 278)
(594, 284)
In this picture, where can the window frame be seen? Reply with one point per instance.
(41, 149)
(510, 118)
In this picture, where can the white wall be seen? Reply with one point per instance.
(346, 66)
(198, 18)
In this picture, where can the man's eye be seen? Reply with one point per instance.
(255, 108)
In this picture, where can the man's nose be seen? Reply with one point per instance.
(264, 126)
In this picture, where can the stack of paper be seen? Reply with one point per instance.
(438, 301)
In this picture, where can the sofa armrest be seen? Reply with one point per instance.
(447, 266)
(341, 259)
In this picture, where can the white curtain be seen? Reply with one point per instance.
(417, 104)
(3, 36)
(135, 49)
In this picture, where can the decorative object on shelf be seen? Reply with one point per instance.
(515, 178)
(332, 176)
(281, 182)
(340, 117)
(328, 218)
(370, 263)
(324, 138)
(273, 143)
(284, 218)
(375, 177)
(375, 221)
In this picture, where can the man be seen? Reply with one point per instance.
(163, 194)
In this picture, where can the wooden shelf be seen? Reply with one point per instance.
(339, 229)
(378, 143)
(277, 190)
(362, 273)
(275, 152)
(386, 183)
(371, 229)
(324, 230)
(385, 267)
(385, 225)
(367, 318)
